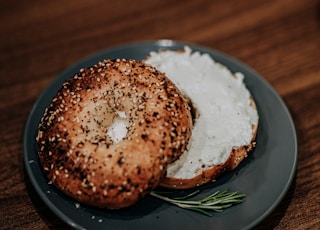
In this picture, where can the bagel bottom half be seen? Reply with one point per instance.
(225, 121)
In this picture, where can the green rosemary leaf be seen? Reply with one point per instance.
(217, 201)
(187, 196)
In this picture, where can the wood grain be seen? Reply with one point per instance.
(280, 39)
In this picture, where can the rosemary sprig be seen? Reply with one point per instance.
(217, 201)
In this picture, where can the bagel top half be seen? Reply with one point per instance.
(111, 130)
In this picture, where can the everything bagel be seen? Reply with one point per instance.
(111, 130)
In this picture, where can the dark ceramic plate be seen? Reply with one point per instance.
(265, 176)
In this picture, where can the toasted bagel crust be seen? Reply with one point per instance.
(84, 162)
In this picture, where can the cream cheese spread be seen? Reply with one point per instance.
(222, 100)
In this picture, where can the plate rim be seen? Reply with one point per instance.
(165, 43)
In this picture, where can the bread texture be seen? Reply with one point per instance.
(110, 132)
(224, 113)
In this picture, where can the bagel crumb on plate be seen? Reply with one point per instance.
(110, 131)
(226, 118)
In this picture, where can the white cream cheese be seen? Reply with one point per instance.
(222, 100)
(118, 128)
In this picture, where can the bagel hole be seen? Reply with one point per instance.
(118, 129)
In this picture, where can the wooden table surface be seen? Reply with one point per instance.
(280, 39)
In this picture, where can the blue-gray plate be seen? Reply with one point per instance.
(264, 177)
